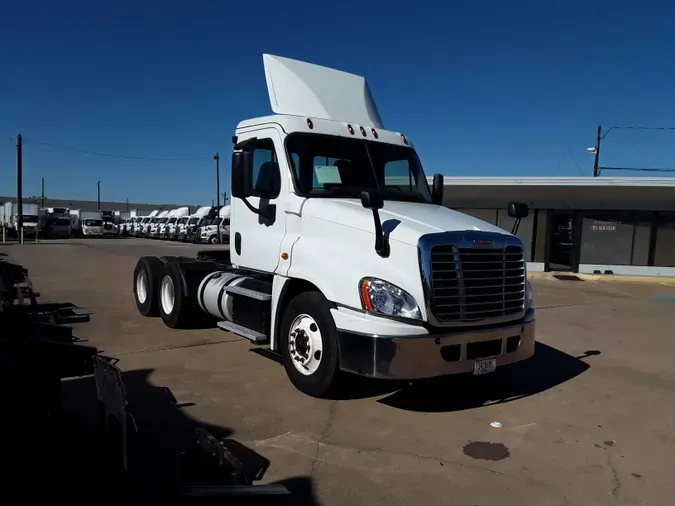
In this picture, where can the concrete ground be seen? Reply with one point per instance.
(590, 420)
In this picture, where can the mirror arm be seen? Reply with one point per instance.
(381, 243)
(268, 212)
(515, 226)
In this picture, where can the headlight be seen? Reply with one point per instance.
(528, 295)
(380, 297)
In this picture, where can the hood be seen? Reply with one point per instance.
(406, 222)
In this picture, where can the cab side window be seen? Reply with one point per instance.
(397, 173)
(266, 175)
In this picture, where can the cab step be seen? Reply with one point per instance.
(252, 335)
(248, 292)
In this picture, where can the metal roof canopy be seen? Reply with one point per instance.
(580, 193)
(558, 181)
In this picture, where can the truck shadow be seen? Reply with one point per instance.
(75, 456)
(52, 430)
(548, 368)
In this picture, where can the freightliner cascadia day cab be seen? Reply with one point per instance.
(342, 259)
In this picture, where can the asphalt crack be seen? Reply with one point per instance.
(322, 436)
(615, 476)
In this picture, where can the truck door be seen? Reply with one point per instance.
(255, 241)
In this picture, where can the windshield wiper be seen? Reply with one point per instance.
(407, 197)
(343, 192)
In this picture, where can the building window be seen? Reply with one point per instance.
(615, 238)
(664, 247)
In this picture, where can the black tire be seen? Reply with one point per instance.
(169, 259)
(213, 239)
(181, 309)
(324, 380)
(150, 267)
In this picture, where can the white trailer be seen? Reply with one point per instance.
(86, 223)
(335, 269)
(11, 219)
(54, 222)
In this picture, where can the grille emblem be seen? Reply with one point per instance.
(482, 242)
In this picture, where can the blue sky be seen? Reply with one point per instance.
(487, 88)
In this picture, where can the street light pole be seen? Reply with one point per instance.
(19, 187)
(216, 157)
(98, 192)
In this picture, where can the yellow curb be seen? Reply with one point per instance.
(538, 275)
(604, 277)
(626, 278)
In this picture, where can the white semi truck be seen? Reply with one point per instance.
(171, 228)
(335, 264)
(209, 233)
(199, 219)
(155, 222)
(144, 225)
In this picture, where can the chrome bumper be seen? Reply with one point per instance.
(430, 355)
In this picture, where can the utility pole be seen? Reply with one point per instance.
(42, 195)
(216, 157)
(98, 191)
(127, 203)
(19, 186)
(596, 169)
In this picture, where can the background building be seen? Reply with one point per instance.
(588, 225)
(92, 205)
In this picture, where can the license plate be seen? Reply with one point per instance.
(484, 366)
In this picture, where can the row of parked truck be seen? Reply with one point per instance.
(56, 222)
(61, 222)
(179, 225)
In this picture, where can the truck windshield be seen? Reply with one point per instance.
(93, 223)
(332, 166)
(193, 221)
(30, 217)
(64, 222)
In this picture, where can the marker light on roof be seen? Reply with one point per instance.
(310, 124)
(363, 131)
(404, 139)
(351, 129)
(374, 132)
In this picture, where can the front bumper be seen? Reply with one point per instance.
(408, 357)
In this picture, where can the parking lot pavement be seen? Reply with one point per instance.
(589, 420)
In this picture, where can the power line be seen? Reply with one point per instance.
(619, 127)
(637, 170)
(575, 161)
(126, 157)
(597, 169)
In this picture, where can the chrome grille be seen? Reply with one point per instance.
(476, 283)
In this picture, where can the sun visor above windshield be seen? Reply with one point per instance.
(303, 89)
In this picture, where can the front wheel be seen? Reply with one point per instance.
(308, 344)
(213, 239)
